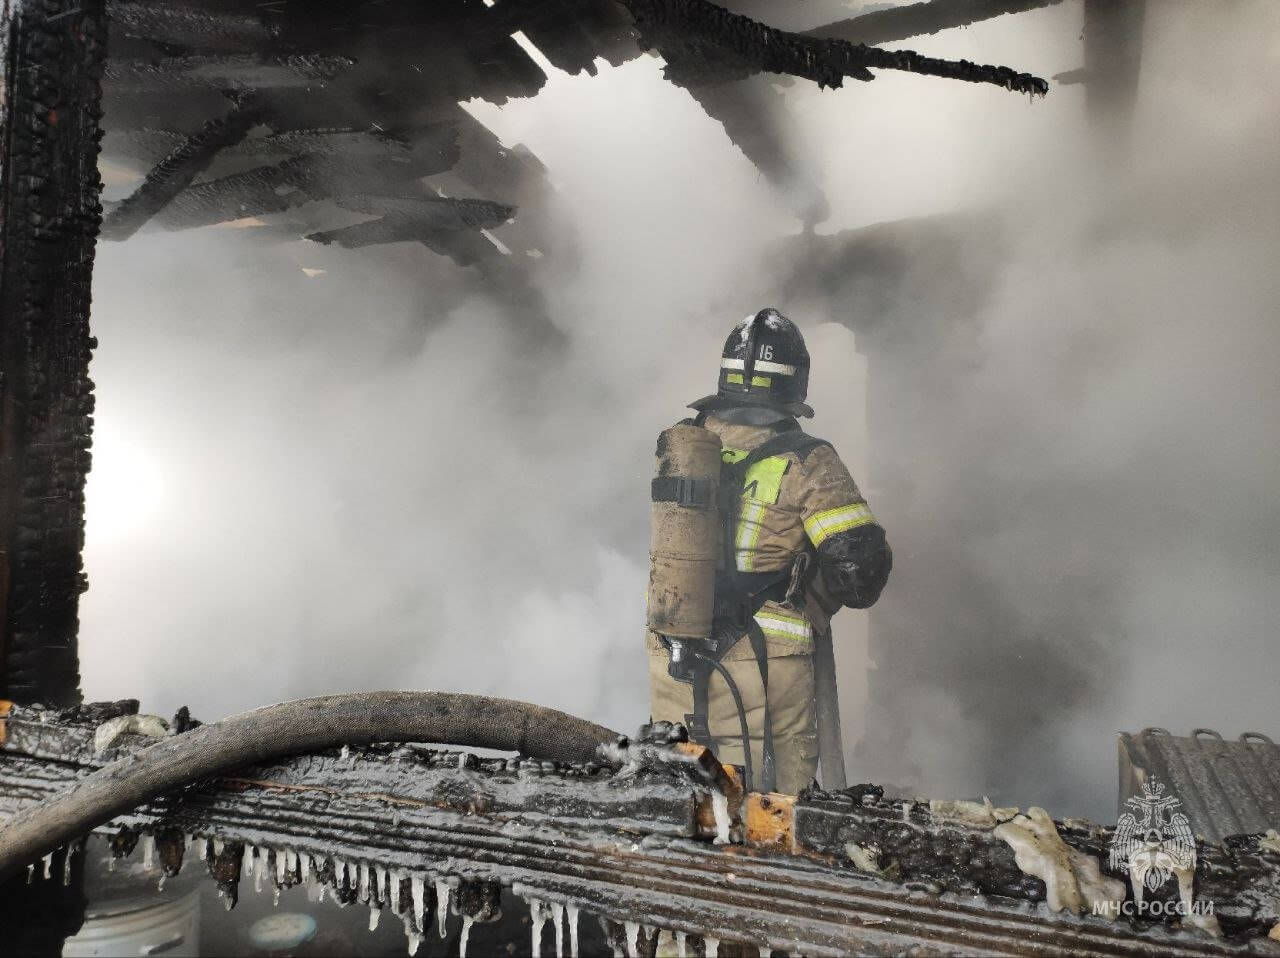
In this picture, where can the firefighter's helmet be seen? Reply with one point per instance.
(764, 363)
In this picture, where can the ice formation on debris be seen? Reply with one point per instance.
(443, 892)
(572, 914)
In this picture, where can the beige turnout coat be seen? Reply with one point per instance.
(789, 501)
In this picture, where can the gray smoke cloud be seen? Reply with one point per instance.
(1059, 401)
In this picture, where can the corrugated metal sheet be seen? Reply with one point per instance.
(1226, 787)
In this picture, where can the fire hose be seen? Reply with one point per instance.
(275, 731)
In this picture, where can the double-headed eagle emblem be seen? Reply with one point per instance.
(1155, 843)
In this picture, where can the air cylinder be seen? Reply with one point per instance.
(685, 533)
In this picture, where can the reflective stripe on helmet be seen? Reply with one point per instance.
(783, 626)
(736, 378)
(761, 366)
(822, 525)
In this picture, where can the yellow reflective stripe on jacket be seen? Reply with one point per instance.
(783, 626)
(761, 486)
(822, 525)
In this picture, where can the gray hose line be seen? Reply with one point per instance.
(274, 731)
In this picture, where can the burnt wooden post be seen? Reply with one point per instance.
(52, 56)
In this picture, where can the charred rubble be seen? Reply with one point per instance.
(653, 834)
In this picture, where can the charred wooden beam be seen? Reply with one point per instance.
(175, 172)
(702, 41)
(223, 72)
(52, 57)
(919, 19)
(652, 833)
(191, 27)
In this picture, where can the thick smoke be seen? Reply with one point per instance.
(371, 478)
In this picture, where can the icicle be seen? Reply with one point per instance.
(362, 870)
(631, 930)
(466, 933)
(160, 883)
(246, 862)
(304, 867)
(373, 883)
(418, 893)
(320, 897)
(31, 869)
(48, 862)
(281, 865)
(218, 846)
(443, 891)
(538, 916)
(275, 896)
(290, 863)
(393, 890)
(148, 852)
(259, 865)
(557, 915)
(111, 866)
(204, 849)
(374, 915)
(713, 947)
(414, 941)
(680, 944)
(573, 930)
(720, 810)
(346, 752)
(66, 865)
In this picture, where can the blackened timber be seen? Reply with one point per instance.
(176, 171)
(189, 27)
(919, 19)
(628, 842)
(693, 29)
(52, 54)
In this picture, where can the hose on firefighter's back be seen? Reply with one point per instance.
(275, 731)
(747, 775)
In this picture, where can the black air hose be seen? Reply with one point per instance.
(274, 731)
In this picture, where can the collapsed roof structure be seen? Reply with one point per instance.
(340, 122)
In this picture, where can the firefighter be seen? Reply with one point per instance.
(796, 542)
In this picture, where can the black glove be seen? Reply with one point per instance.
(855, 565)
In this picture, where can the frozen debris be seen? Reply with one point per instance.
(375, 913)
(443, 894)
(417, 892)
(631, 932)
(48, 863)
(149, 851)
(109, 733)
(865, 858)
(218, 846)
(538, 916)
(712, 947)
(259, 866)
(66, 865)
(1185, 872)
(571, 913)
(1073, 880)
(720, 809)
(970, 813)
(414, 941)
(557, 916)
(680, 944)
(1270, 842)
(362, 881)
(467, 921)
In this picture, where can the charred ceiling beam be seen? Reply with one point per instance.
(418, 219)
(51, 52)
(919, 19)
(651, 833)
(223, 72)
(191, 27)
(176, 171)
(693, 34)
